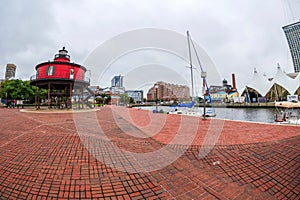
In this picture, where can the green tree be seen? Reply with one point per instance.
(17, 89)
(27, 91)
(124, 98)
(42, 93)
(106, 98)
(131, 100)
(10, 89)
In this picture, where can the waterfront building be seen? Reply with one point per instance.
(10, 71)
(65, 81)
(292, 32)
(167, 91)
(137, 95)
(224, 93)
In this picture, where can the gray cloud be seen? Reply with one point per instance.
(26, 34)
(237, 35)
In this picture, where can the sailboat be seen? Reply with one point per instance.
(207, 112)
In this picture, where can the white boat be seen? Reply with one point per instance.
(185, 109)
(193, 112)
(210, 112)
(286, 113)
(188, 112)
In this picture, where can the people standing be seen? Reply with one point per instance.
(14, 103)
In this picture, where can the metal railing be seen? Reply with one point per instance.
(61, 76)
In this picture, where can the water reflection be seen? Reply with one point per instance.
(248, 114)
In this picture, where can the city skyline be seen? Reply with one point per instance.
(236, 39)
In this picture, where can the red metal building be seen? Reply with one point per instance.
(61, 78)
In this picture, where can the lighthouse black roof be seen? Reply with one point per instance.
(63, 53)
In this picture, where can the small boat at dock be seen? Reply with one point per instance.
(286, 113)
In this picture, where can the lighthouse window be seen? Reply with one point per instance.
(50, 70)
(71, 73)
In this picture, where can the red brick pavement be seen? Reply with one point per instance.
(42, 156)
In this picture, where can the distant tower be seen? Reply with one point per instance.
(117, 81)
(292, 33)
(117, 89)
(10, 71)
(225, 82)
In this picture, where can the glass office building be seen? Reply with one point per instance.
(292, 32)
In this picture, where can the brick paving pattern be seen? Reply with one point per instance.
(43, 157)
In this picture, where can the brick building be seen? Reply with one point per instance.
(168, 91)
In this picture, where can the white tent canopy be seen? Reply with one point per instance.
(263, 85)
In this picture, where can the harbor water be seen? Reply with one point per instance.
(265, 115)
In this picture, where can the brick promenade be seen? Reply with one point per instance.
(42, 156)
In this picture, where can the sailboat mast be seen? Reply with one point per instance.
(198, 59)
(191, 65)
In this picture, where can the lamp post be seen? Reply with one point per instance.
(139, 101)
(203, 76)
(139, 98)
(6, 99)
(156, 87)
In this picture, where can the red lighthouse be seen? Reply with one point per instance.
(61, 78)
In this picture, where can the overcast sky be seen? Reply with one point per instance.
(237, 35)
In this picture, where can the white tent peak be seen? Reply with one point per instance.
(259, 83)
(278, 66)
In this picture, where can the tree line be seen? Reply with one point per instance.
(19, 90)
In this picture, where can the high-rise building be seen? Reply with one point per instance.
(10, 71)
(117, 89)
(117, 81)
(292, 32)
